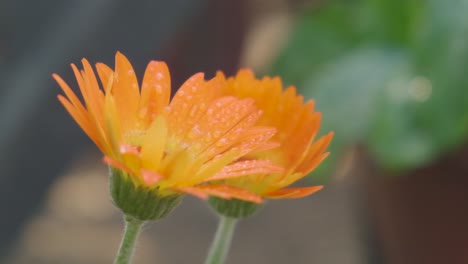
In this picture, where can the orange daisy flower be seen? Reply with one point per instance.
(173, 146)
(297, 123)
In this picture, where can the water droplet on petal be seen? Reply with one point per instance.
(159, 76)
(158, 88)
(151, 177)
(143, 112)
(221, 142)
(216, 133)
(193, 111)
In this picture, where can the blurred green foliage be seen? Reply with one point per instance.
(388, 74)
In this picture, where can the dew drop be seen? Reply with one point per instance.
(185, 106)
(196, 130)
(143, 112)
(209, 137)
(216, 133)
(158, 88)
(193, 111)
(159, 76)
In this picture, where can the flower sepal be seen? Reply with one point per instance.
(139, 201)
(233, 208)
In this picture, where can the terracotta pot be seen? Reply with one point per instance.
(422, 216)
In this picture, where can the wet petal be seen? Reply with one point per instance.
(293, 193)
(247, 167)
(154, 143)
(126, 92)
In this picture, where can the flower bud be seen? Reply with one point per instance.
(233, 208)
(140, 201)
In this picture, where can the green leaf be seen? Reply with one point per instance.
(319, 36)
(441, 55)
(390, 74)
(347, 92)
(396, 141)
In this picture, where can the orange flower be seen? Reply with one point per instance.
(297, 123)
(173, 146)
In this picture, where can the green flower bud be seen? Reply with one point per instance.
(233, 208)
(138, 200)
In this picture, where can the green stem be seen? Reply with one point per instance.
(222, 241)
(132, 229)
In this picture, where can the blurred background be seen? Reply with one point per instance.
(389, 76)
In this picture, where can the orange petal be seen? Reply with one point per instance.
(247, 167)
(301, 137)
(266, 146)
(295, 113)
(315, 154)
(256, 139)
(232, 192)
(177, 167)
(112, 124)
(200, 100)
(293, 193)
(211, 167)
(243, 79)
(181, 104)
(94, 96)
(69, 93)
(154, 143)
(104, 73)
(225, 120)
(313, 157)
(155, 90)
(80, 81)
(83, 121)
(91, 82)
(126, 92)
(94, 99)
(271, 97)
(223, 191)
(215, 190)
(189, 104)
(194, 191)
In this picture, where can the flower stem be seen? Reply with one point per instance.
(132, 229)
(222, 241)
